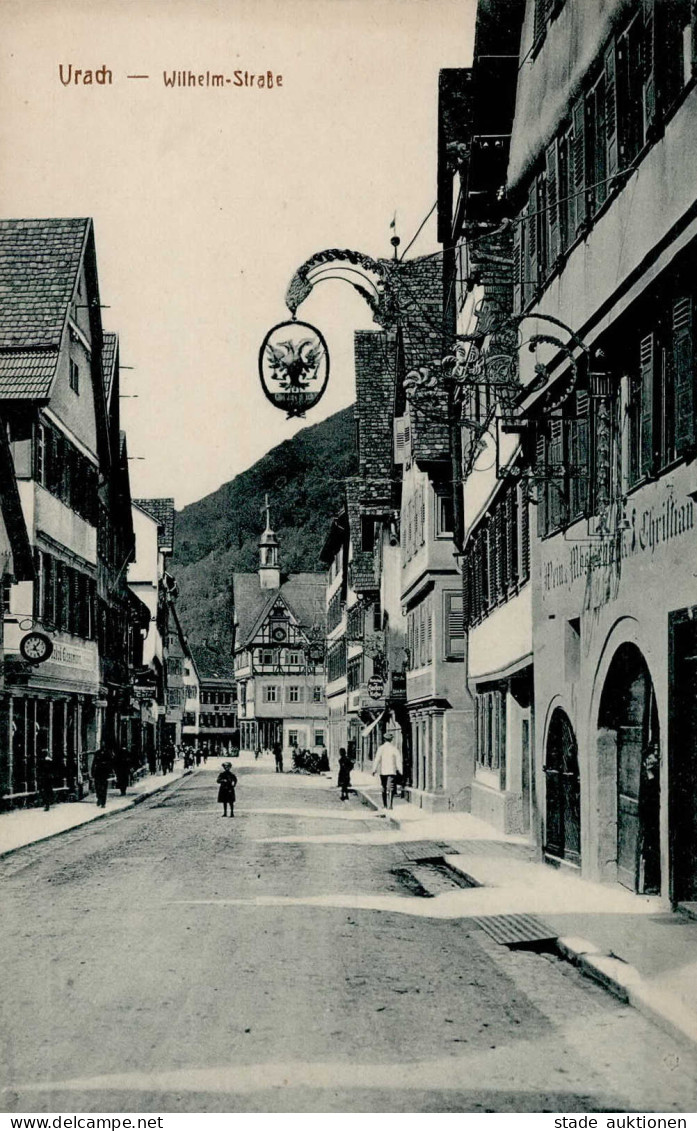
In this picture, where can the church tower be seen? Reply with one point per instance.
(269, 569)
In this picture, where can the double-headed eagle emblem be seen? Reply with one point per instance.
(294, 364)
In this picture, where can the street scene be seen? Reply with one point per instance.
(348, 649)
(286, 961)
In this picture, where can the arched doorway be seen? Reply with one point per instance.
(563, 804)
(629, 758)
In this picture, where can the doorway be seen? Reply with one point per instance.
(683, 755)
(563, 805)
(628, 729)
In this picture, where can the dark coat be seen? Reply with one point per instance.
(344, 772)
(226, 783)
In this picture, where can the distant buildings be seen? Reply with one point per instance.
(212, 720)
(279, 633)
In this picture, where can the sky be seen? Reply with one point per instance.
(206, 200)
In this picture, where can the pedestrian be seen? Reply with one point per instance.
(388, 763)
(45, 780)
(205, 755)
(122, 771)
(257, 754)
(226, 788)
(152, 761)
(101, 772)
(278, 757)
(344, 780)
(324, 767)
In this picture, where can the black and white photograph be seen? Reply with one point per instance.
(348, 549)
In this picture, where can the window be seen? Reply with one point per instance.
(317, 694)
(336, 661)
(65, 472)
(294, 658)
(367, 533)
(497, 559)
(319, 738)
(293, 737)
(444, 512)
(270, 694)
(491, 730)
(174, 697)
(74, 377)
(420, 633)
(354, 673)
(453, 626)
(295, 694)
(6, 595)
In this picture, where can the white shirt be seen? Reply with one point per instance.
(388, 759)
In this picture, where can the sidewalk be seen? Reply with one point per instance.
(644, 954)
(28, 826)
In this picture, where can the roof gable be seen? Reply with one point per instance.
(39, 265)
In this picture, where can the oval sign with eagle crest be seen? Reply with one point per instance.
(294, 366)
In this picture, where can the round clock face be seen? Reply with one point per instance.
(279, 633)
(35, 647)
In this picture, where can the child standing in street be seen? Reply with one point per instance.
(344, 780)
(226, 788)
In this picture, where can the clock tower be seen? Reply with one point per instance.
(269, 569)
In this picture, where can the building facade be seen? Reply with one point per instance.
(602, 182)
(216, 714)
(279, 634)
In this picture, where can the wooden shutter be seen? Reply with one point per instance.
(580, 458)
(647, 363)
(648, 64)
(541, 473)
(578, 167)
(557, 507)
(611, 134)
(524, 519)
(531, 266)
(455, 643)
(683, 371)
(518, 265)
(553, 233)
(512, 534)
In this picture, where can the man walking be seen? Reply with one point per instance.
(278, 757)
(388, 763)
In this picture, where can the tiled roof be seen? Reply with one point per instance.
(211, 664)
(39, 262)
(430, 439)
(162, 510)
(109, 348)
(27, 374)
(304, 593)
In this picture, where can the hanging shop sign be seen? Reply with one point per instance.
(294, 367)
(376, 687)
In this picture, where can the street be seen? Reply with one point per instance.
(167, 959)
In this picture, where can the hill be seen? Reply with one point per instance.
(219, 534)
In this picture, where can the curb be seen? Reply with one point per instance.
(138, 799)
(615, 975)
(366, 799)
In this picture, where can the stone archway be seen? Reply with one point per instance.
(628, 744)
(563, 790)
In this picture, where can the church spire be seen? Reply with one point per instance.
(269, 570)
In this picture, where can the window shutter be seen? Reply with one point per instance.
(581, 470)
(578, 166)
(648, 64)
(683, 370)
(455, 643)
(517, 265)
(553, 241)
(530, 274)
(512, 534)
(524, 518)
(541, 473)
(647, 355)
(611, 138)
(556, 464)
